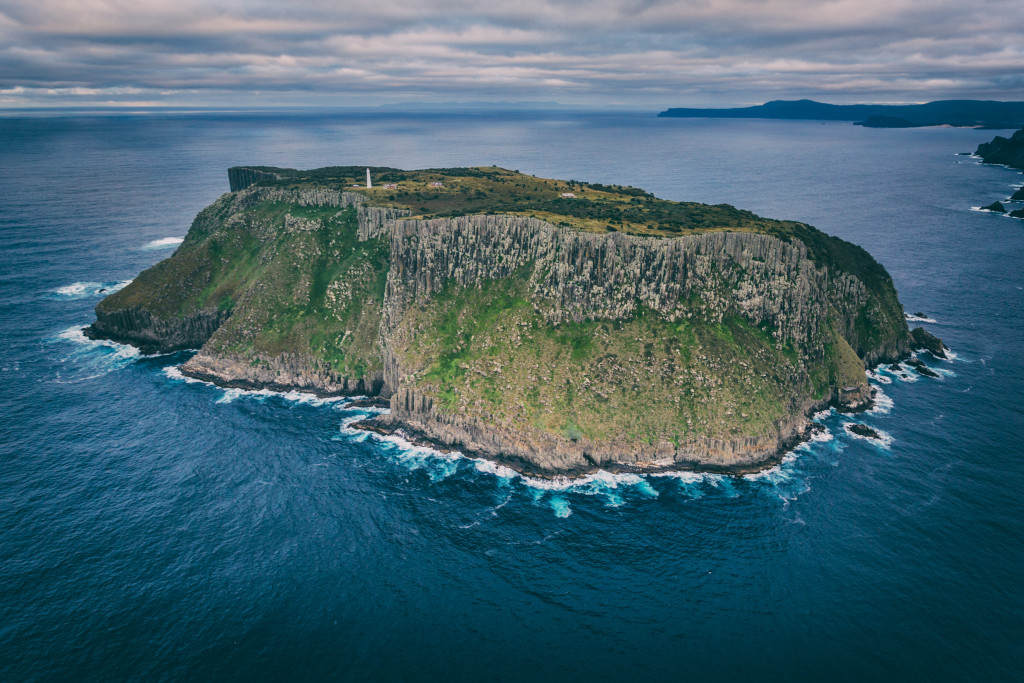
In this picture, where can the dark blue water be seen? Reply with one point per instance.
(154, 528)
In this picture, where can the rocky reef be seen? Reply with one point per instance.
(556, 343)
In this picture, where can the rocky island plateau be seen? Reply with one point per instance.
(554, 326)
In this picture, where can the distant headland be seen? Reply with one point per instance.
(965, 113)
(1008, 152)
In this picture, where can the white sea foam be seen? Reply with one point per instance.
(884, 374)
(439, 466)
(823, 414)
(821, 436)
(883, 402)
(164, 243)
(92, 358)
(877, 375)
(685, 476)
(884, 439)
(774, 475)
(230, 394)
(77, 288)
(174, 372)
(82, 290)
(499, 471)
(77, 335)
(919, 319)
(560, 506)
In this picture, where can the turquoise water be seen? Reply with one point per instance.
(153, 527)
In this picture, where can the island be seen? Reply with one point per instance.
(967, 113)
(553, 326)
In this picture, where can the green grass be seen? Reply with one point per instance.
(278, 285)
(595, 208)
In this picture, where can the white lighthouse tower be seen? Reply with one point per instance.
(369, 184)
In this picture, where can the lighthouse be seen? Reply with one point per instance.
(368, 183)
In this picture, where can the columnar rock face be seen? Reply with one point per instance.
(586, 276)
(732, 337)
(375, 221)
(240, 178)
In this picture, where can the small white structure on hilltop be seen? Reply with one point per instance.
(369, 183)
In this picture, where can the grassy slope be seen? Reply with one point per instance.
(487, 352)
(316, 293)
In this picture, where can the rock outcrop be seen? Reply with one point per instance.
(153, 334)
(1007, 151)
(283, 372)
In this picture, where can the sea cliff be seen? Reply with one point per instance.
(556, 343)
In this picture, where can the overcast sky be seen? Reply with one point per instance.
(644, 54)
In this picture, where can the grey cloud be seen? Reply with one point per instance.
(643, 53)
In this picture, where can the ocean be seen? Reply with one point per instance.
(153, 528)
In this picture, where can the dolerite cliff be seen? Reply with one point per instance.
(540, 341)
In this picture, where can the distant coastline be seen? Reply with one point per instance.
(1007, 152)
(960, 113)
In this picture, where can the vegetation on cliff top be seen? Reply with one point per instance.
(446, 192)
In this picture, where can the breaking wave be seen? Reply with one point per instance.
(91, 358)
(562, 495)
(83, 290)
(164, 243)
(883, 440)
(229, 395)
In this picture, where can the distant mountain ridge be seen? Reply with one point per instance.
(973, 113)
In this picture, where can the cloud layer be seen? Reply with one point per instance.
(628, 53)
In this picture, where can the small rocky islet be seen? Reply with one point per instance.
(554, 326)
(863, 430)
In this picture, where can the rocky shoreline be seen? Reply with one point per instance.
(1008, 152)
(523, 467)
(386, 426)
